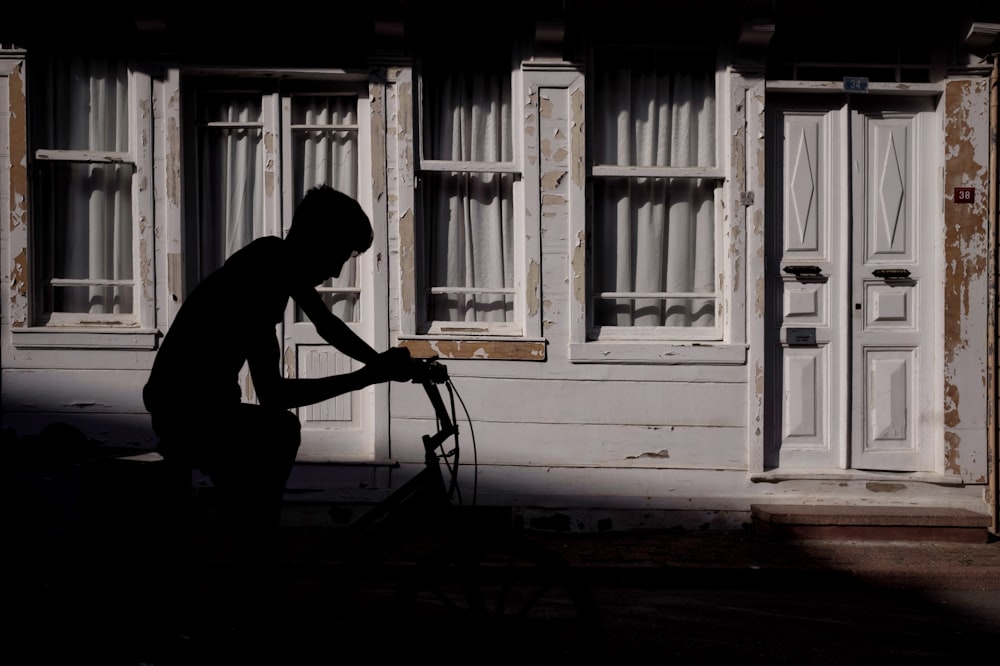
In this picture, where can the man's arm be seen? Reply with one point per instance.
(332, 329)
(274, 390)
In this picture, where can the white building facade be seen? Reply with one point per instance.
(678, 258)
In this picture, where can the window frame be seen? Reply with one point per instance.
(135, 330)
(720, 344)
(422, 326)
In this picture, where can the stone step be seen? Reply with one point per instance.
(878, 523)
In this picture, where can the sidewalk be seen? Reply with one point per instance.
(727, 558)
(715, 558)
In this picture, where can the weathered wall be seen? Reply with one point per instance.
(965, 249)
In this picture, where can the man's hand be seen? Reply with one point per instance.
(393, 364)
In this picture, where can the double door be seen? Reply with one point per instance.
(852, 374)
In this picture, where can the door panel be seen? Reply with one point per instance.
(807, 284)
(255, 147)
(850, 312)
(326, 141)
(893, 304)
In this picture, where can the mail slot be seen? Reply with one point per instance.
(800, 337)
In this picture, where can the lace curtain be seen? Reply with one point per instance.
(326, 155)
(654, 237)
(232, 175)
(468, 215)
(87, 230)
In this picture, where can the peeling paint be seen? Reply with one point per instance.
(951, 413)
(477, 349)
(19, 288)
(576, 138)
(290, 365)
(579, 263)
(404, 117)
(18, 174)
(952, 442)
(270, 181)
(560, 155)
(173, 163)
(551, 179)
(965, 247)
(534, 277)
(544, 107)
(143, 105)
(145, 263)
(377, 114)
(739, 167)
(175, 272)
(965, 240)
(407, 238)
(661, 454)
(758, 299)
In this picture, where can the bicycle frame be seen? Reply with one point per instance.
(430, 374)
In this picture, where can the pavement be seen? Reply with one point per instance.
(659, 596)
(112, 591)
(747, 558)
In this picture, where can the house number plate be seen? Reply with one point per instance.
(966, 195)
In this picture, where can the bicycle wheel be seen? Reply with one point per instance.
(499, 597)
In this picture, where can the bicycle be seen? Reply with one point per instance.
(471, 585)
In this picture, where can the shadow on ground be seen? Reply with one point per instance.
(92, 581)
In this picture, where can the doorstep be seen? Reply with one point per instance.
(879, 523)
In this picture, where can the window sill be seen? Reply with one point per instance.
(83, 338)
(503, 349)
(658, 353)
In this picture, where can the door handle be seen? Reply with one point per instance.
(802, 271)
(891, 273)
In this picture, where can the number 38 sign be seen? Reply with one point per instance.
(966, 195)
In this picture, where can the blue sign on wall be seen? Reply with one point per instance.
(857, 84)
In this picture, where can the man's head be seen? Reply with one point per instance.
(328, 227)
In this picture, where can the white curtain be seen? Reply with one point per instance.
(654, 235)
(231, 172)
(329, 157)
(231, 177)
(91, 222)
(469, 216)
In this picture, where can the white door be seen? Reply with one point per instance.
(851, 291)
(326, 140)
(256, 147)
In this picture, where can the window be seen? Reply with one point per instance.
(325, 151)
(469, 199)
(229, 197)
(655, 192)
(253, 147)
(229, 201)
(84, 254)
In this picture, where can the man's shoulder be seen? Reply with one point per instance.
(263, 249)
(265, 244)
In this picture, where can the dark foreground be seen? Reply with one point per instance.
(667, 597)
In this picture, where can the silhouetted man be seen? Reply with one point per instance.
(193, 393)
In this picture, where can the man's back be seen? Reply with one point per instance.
(232, 311)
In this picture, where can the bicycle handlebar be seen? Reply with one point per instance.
(429, 370)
